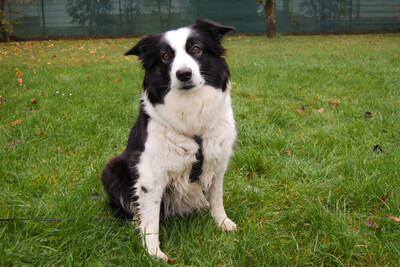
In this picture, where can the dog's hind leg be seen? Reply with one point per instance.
(118, 184)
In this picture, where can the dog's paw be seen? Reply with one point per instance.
(228, 226)
(158, 254)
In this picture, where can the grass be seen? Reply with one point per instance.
(300, 185)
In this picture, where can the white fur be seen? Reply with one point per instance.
(170, 150)
(177, 40)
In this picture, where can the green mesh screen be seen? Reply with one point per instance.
(119, 17)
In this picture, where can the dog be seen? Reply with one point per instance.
(178, 149)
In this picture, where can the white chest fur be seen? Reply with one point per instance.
(170, 148)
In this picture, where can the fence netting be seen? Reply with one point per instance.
(123, 17)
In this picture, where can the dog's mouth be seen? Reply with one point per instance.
(187, 86)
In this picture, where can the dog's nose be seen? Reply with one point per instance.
(184, 74)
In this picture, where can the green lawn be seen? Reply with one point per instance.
(302, 185)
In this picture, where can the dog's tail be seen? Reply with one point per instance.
(118, 184)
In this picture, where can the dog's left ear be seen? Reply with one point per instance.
(217, 30)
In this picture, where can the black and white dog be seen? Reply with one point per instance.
(179, 148)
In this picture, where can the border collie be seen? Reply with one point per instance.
(179, 148)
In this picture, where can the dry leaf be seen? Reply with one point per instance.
(249, 175)
(17, 121)
(289, 153)
(396, 219)
(117, 79)
(368, 114)
(20, 74)
(33, 100)
(14, 143)
(321, 110)
(383, 199)
(378, 148)
(334, 102)
(302, 110)
(370, 223)
(41, 132)
(108, 75)
(20, 81)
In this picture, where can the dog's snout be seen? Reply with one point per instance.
(184, 74)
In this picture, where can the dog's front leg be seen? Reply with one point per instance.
(149, 200)
(215, 194)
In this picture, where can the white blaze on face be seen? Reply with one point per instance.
(182, 60)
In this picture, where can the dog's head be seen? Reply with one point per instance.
(184, 59)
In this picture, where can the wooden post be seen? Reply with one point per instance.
(43, 19)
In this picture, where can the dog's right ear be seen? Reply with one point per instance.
(144, 45)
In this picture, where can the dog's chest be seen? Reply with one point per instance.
(174, 153)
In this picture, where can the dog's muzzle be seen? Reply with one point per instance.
(184, 75)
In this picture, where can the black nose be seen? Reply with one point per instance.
(184, 74)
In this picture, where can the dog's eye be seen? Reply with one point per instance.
(165, 56)
(196, 49)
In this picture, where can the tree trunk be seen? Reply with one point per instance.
(271, 18)
(4, 35)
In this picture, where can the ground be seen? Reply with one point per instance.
(312, 182)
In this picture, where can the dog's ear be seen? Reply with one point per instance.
(145, 44)
(216, 30)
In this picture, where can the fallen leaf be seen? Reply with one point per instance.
(398, 101)
(20, 81)
(289, 153)
(34, 72)
(378, 148)
(368, 114)
(26, 87)
(321, 110)
(33, 100)
(108, 75)
(302, 110)
(17, 121)
(20, 74)
(14, 143)
(396, 219)
(1, 99)
(334, 102)
(117, 79)
(41, 132)
(249, 175)
(370, 223)
(383, 199)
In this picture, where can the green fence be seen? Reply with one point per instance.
(121, 17)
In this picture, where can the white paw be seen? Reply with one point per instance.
(228, 226)
(158, 254)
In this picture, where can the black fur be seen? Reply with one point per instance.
(197, 166)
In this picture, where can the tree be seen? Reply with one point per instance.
(327, 12)
(7, 25)
(269, 8)
(94, 13)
